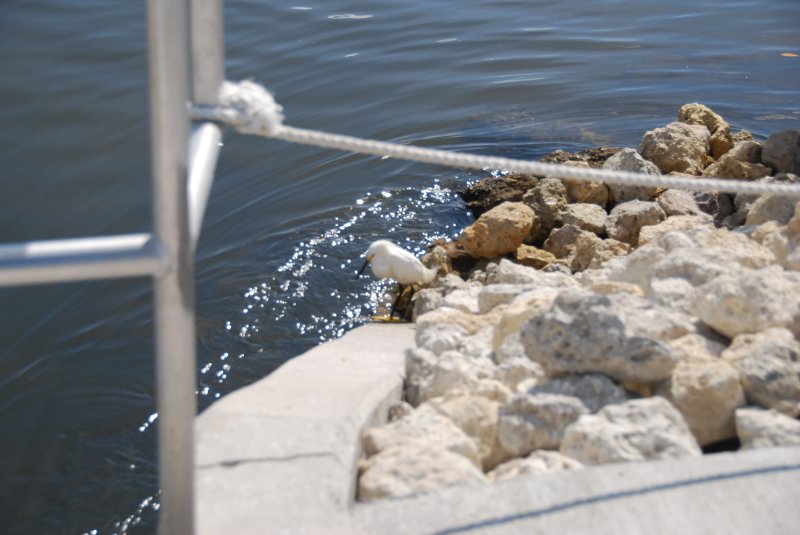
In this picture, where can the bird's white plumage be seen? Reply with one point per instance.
(390, 261)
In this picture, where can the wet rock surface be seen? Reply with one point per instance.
(581, 323)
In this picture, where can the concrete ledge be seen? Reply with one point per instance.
(280, 456)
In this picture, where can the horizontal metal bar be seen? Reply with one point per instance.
(204, 146)
(107, 257)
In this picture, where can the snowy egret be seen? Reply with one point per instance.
(390, 261)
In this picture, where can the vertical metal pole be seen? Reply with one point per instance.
(174, 292)
(208, 50)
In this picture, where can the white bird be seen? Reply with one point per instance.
(390, 261)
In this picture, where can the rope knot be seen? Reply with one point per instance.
(250, 107)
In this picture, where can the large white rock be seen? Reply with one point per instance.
(475, 415)
(424, 427)
(519, 370)
(706, 391)
(638, 430)
(678, 202)
(759, 428)
(508, 272)
(522, 308)
(500, 294)
(626, 220)
(619, 335)
(399, 472)
(441, 337)
(586, 216)
(677, 147)
(594, 390)
(538, 462)
(630, 160)
(454, 371)
(750, 301)
(769, 365)
(530, 422)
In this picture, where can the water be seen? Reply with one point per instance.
(285, 224)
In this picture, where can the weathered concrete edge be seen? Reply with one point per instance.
(280, 455)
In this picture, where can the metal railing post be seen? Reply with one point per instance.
(208, 50)
(174, 292)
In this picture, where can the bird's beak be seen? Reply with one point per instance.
(360, 271)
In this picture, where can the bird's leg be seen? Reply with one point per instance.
(396, 300)
(406, 315)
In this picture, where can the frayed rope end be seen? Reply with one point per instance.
(250, 108)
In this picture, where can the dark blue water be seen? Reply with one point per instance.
(286, 224)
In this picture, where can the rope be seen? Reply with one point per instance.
(251, 109)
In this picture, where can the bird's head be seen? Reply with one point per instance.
(375, 248)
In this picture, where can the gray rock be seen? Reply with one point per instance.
(548, 199)
(619, 335)
(626, 220)
(638, 430)
(518, 370)
(538, 462)
(750, 301)
(594, 390)
(561, 242)
(746, 151)
(589, 217)
(531, 422)
(758, 428)
(781, 151)
(678, 202)
(769, 365)
(630, 160)
(677, 147)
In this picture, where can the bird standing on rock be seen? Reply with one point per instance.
(390, 261)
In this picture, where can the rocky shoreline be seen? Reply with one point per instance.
(578, 324)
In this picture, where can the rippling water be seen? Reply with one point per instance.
(286, 224)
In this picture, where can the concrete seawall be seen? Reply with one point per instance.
(280, 456)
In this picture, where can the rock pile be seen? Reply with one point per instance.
(588, 324)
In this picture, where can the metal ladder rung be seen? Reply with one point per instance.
(46, 261)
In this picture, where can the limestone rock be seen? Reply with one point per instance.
(742, 135)
(758, 428)
(419, 365)
(427, 299)
(399, 410)
(677, 147)
(519, 311)
(781, 151)
(706, 391)
(499, 231)
(638, 430)
(471, 323)
(531, 256)
(439, 338)
(630, 160)
(407, 471)
(728, 166)
(587, 191)
(620, 335)
(464, 298)
(421, 428)
(593, 157)
(531, 422)
(776, 238)
(492, 191)
(653, 233)
(591, 252)
(511, 273)
(518, 370)
(548, 199)
(590, 217)
(750, 301)
(769, 365)
(771, 208)
(594, 390)
(694, 345)
(678, 202)
(746, 151)
(721, 140)
(626, 220)
(452, 372)
(538, 462)
(561, 242)
(493, 295)
(475, 415)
